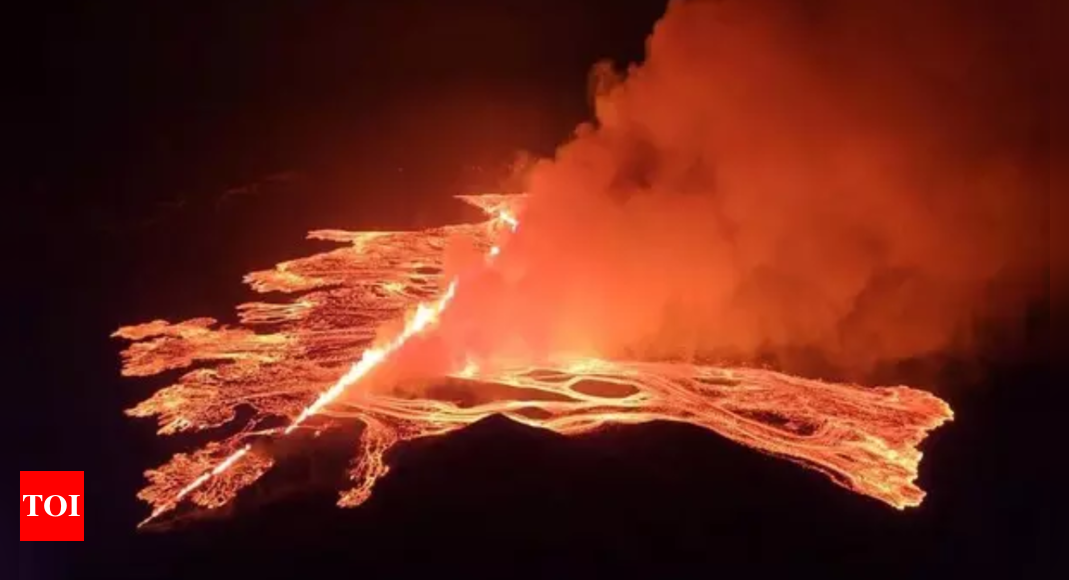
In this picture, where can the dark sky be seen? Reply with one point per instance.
(136, 95)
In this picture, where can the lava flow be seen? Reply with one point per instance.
(299, 370)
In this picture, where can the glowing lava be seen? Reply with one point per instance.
(864, 439)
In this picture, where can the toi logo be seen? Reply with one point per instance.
(53, 504)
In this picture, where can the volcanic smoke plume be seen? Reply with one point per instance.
(863, 180)
(836, 176)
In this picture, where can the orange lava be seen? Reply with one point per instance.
(296, 359)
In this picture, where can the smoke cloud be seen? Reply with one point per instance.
(866, 181)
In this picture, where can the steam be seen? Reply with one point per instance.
(864, 181)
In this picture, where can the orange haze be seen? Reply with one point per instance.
(861, 179)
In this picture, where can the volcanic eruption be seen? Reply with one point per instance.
(745, 188)
(863, 438)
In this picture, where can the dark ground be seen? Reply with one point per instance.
(140, 121)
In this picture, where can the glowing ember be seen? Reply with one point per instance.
(863, 438)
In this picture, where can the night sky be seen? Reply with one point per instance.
(166, 150)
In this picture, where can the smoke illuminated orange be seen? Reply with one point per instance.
(294, 360)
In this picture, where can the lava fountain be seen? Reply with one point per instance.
(292, 362)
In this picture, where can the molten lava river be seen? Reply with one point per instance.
(300, 365)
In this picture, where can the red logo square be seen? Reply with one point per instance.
(53, 506)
